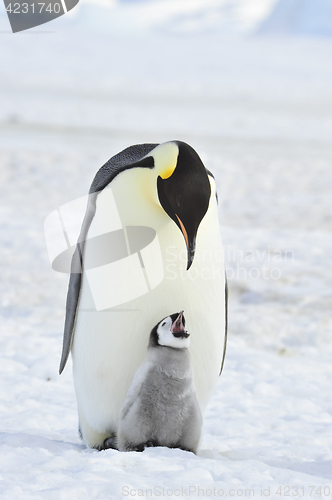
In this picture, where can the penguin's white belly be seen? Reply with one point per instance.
(110, 345)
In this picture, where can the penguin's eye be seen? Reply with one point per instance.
(164, 323)
(178, 201)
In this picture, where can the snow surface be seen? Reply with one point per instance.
(258, 111)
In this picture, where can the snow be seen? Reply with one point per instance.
(258, 111)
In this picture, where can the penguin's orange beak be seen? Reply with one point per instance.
(190, 243)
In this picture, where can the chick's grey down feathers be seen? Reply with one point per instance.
(161, 408)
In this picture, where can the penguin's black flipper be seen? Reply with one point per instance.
(131, 157)
(226, 324)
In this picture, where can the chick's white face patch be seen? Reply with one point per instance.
(166, 337)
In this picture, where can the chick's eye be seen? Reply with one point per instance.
(164, 323)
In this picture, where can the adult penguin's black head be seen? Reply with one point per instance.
(184, 193)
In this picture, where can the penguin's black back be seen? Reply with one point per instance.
(128, 158)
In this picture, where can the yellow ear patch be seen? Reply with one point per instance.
(168, 172)
(165, 159)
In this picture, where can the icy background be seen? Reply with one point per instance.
(256, 104)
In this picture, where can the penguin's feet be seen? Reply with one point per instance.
(139, 447)
(110, 442)
(150, 444)
(142, 446)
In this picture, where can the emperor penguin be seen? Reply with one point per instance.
(161, 407)
(149, 244)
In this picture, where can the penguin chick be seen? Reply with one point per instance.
(161, 407)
